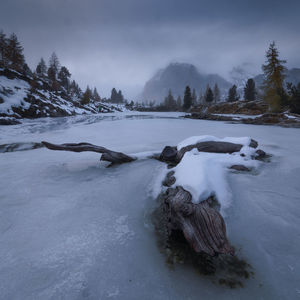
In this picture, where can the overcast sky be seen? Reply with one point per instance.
(122, 43)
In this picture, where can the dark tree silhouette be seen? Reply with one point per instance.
(249, 90)
(232, 94)
(187, 100)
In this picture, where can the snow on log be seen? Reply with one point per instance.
(198, 192)
(107, 155)
(227, 145)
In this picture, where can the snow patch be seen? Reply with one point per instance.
(245, 141)
(205, 174)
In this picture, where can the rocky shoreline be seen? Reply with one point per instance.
(279, 119)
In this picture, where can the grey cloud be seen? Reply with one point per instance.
(122, 43)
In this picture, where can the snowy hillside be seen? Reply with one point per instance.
(19, 98)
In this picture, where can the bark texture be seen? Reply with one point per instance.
(107, 155)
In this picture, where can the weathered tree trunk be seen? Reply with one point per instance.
(107, 155)
(201, 224)
(172, 155)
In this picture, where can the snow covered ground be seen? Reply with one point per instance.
(72, 229)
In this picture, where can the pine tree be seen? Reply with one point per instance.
(41, 68)
(170, 102)
(114, 96)
(249, 90)
(75, 89)
(27, 71)
(120, 97)
(179, 102)
(54, 66)
(187, 100)
(96, 96)
(3, 50)
(294, 101)
(51, 74)
(86, 97)
(15, 55)
(216, 93)
(194, 97)
(232, 94)
(63, 76)
(274, 71)
(209, 96)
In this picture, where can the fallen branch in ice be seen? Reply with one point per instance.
(172, 154)
(107, 155)
(197, 189)
(191, 203)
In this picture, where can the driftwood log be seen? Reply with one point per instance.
(172, 155)
(107, 155)
(201, 224)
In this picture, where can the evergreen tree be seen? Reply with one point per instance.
(3, 50)
(114, 96)
(249, 90)
(63, 76)
(27, 71)
(75, 89)
(232, 94)
(216, 93)
(15, 55)
(86, 97)
(51, 74)
(170, 102)
(274, 71)
(209, 96)
(294, 101)
(120, 97)
(41, 68)
(187, 100)
(179, 102)
(54, 65)
(96, 96)
(194, 97)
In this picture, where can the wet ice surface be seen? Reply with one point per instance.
(72, 229)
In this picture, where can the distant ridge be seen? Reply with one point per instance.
(176, 76)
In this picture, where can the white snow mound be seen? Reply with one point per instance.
(205, 174)
(245, 141)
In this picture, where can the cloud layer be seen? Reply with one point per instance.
(122, 43)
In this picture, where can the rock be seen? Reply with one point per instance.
(170, 179)
(168, 154)
(239, 168)
(9, 121)
(260, 154)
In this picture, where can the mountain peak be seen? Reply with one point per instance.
(176, 76)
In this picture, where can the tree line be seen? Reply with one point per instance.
(274, 91)
(57, 76)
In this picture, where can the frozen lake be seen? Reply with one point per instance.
(72, 229)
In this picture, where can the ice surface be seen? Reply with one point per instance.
(72, 229)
